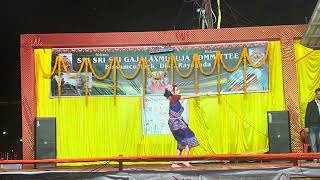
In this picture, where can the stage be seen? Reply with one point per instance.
(212, 170)
(88, 117)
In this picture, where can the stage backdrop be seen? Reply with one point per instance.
(308, 71)
(234, 123)
(157, 59)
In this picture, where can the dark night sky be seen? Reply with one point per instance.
(59, 16)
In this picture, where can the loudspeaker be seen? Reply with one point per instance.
(45, 140)
(279, 132)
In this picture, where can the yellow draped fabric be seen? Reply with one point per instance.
(238, 124)
(99, 128)
(308, 72)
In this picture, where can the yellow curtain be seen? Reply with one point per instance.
(238, 124)
(100, 129)
(95, 129)
(308, 72)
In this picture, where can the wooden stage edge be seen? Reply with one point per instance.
(280, 158)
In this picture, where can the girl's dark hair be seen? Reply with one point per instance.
(167, 94)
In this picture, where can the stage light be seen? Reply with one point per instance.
(4, 132)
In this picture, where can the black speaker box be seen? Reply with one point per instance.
(279, 132)
(45, 140)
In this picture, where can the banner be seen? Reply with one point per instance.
(157, 56)
(155, 115)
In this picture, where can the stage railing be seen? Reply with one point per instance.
(292, 157)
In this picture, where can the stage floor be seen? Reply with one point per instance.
(167, 167)
(241, 170)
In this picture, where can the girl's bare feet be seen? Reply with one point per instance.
(175, 166)
(187, 164)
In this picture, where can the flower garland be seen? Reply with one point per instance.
(219, 72)
(219, 57)
(164, 71)
(144, 64)
(145, 68)
(172, 60)
(196, 61)
(135, 73)
(38, 60)
(243, 53)
(189, 71)
(59, 76)
(245, 74)
(212, 69)
(115, 80)
(87, 60)
(106, 75)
